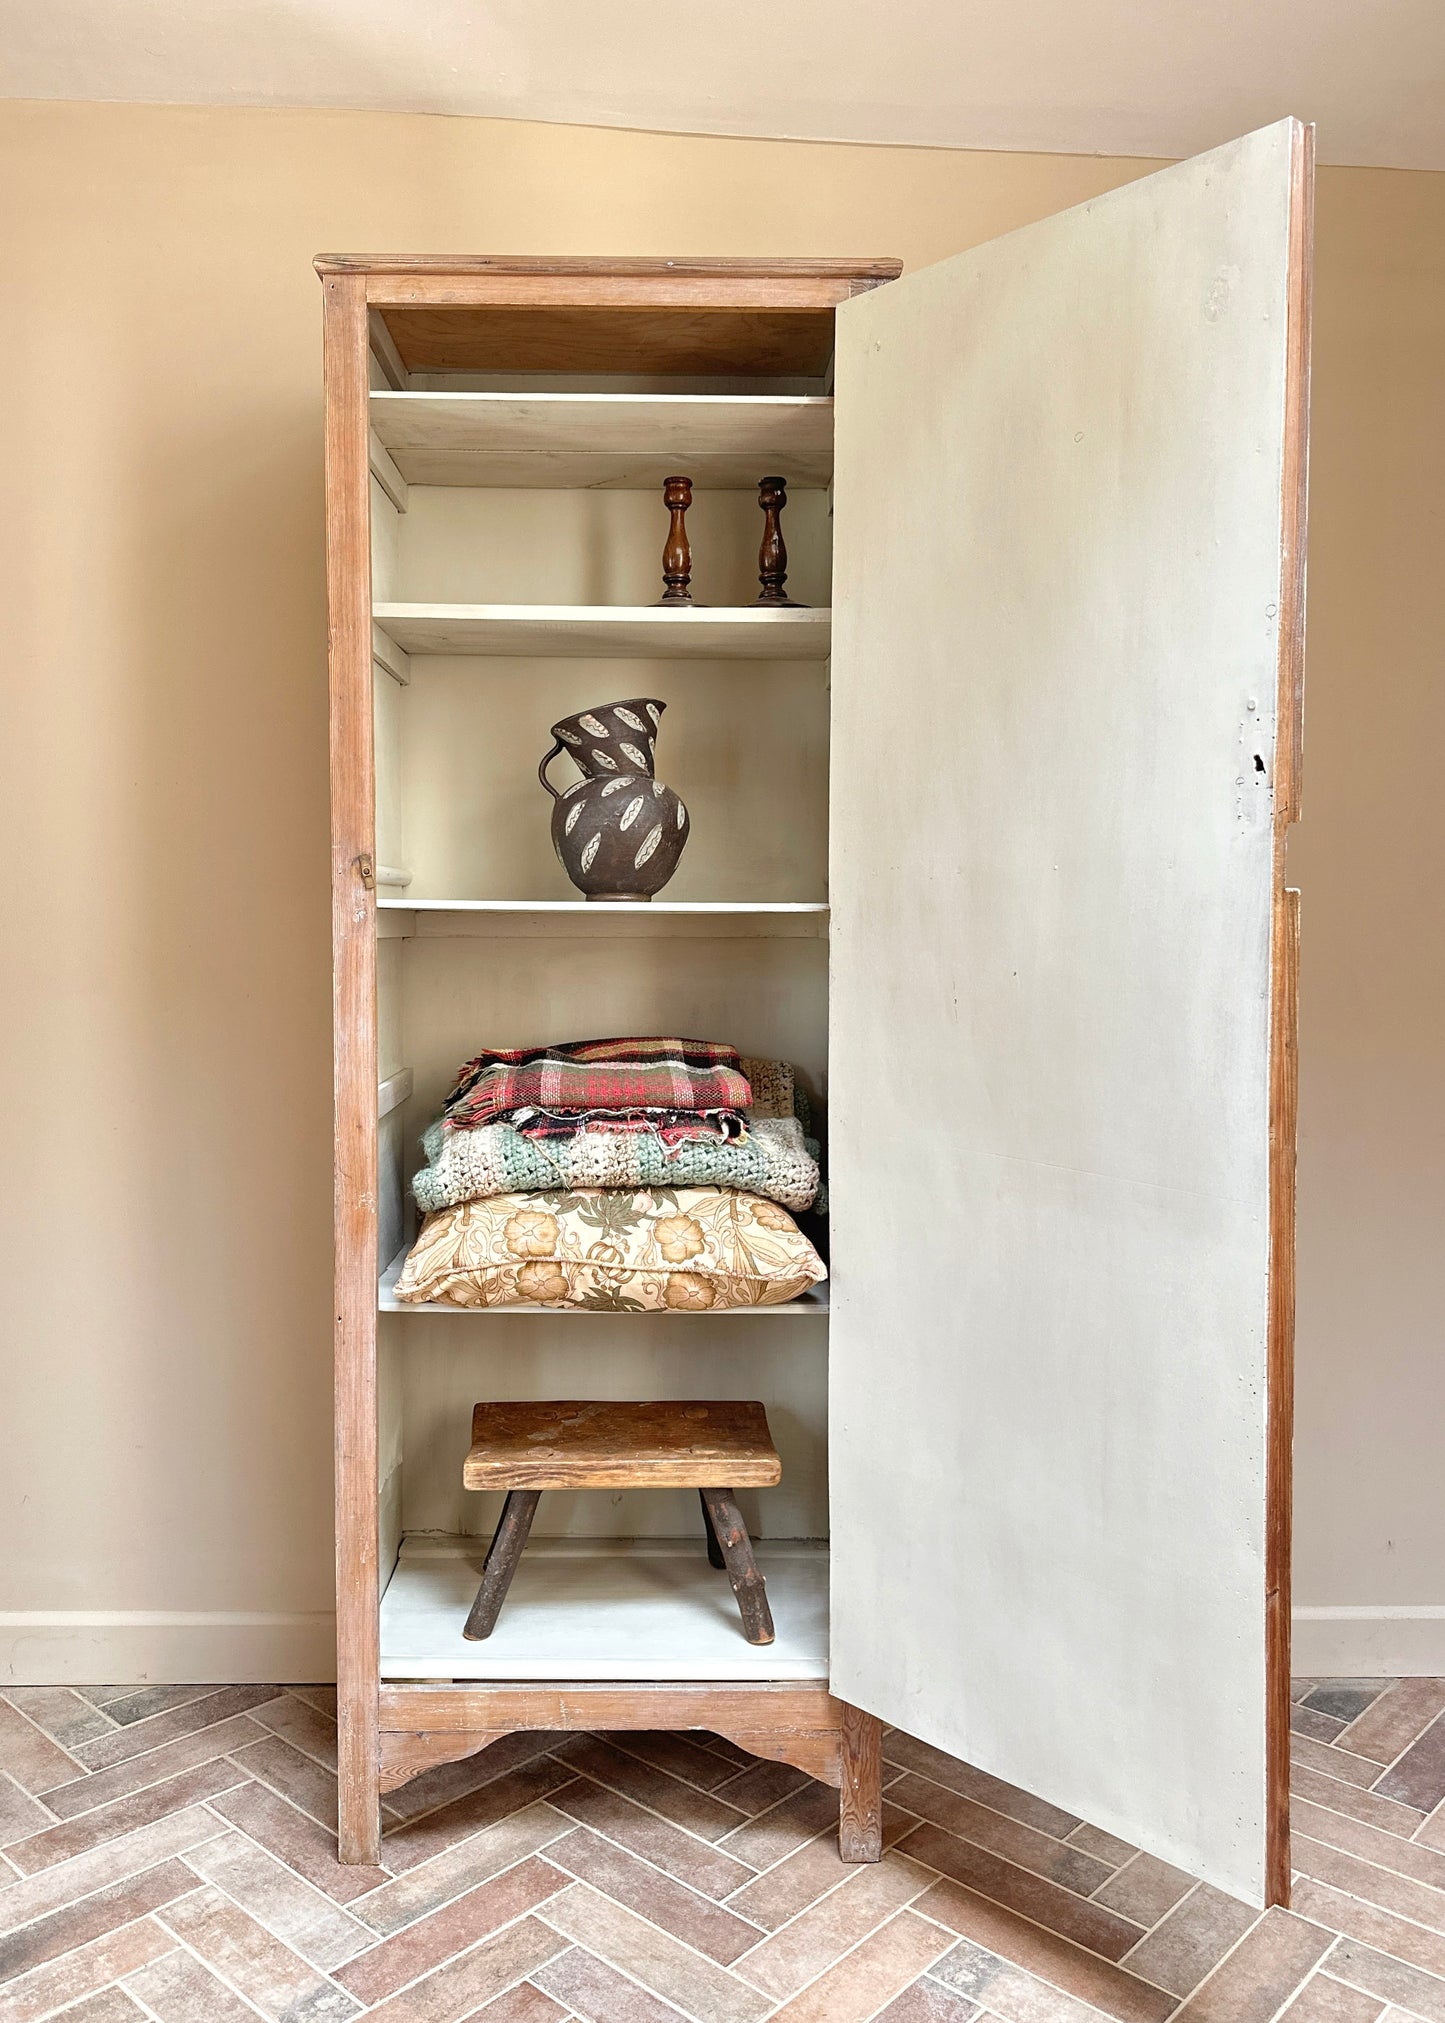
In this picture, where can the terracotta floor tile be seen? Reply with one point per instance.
(1372, 1884)
(313, 1733)
(1323, 2000)
(295, 1776)
(1418, 1777)
(1431, 1832)
(1145, 1889)
(1332, 1760)
(1005, 1991)
(1059, 1910)
(761, 1786)
(1345, 1699)
(295, 1839)
(108, 2005)
(465, 1984)
(300, 1916)
(1304, 1720)
(438, 1787)
(105, 1910)
(679, 1755)
(910, 1754)
(869, 1976)
(459, 1868)
(139, 1736)
(137, 1703)
(792, 1884)
(704, 1992)
(70, 1800)
(693, 1861)
(1363, 1805)
(417, 1840)
(1104, 1847)
(1391, 1723)
(782, 1964)
(928, 2001)
(1192, 1939)
(107, 1822)
(127, 1855)
(246, 1956)
(599, 1993)
(1387, 1850)
(48, 1988)
(20, 1814)
(697, 1920)
(1362, 1966)
(1391, 1934)
(63, 1714)
(683, 1804)
(1025, 1845)
(178, 1989)
(776, 1833)
(1065, 1966)
(523, 2004)
(430, 1941)
(29, 1756)
(1264, 1969)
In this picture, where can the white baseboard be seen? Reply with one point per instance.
(182, 1647)
(1388, 1641)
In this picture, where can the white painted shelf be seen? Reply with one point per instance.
(603, 1609)
(610, 441)
(814, 1303)
(608, 631)
(539, 919)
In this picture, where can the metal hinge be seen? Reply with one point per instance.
(366, 870)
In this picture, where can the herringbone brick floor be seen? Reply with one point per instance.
(169, 1853)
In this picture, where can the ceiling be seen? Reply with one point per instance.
(1130, 77)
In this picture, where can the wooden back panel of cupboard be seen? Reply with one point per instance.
(665, 320)
(1068, 582)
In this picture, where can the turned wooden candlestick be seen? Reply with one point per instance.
(676, 554)
(773, 554)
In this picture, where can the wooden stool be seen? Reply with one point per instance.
(572, 1444)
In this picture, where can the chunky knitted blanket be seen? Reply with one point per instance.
(774, 1160)
(580, 1077)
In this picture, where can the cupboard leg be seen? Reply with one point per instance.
(860, 1799)
(358, 1823)
(714, 1550)
(503, 1554)
(726, 1522)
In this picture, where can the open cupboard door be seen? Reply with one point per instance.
(1068, 588)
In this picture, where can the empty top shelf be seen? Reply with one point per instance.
(605, 440)
(603, 631)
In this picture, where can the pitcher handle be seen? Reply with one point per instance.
(557, 746)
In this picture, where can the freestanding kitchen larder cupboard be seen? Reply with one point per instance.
(988, 839)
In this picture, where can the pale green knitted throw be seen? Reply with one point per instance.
(775, 1160)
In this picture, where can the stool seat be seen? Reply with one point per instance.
(602, 1444)
(715, 1447)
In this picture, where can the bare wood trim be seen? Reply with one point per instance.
(393, 1092)
(353, 918)
(390, 658)
(386, 473)
(884, 269)
(819, 1753)
(860, 1802)
(404, 1756)
(1284, 1023)
(384, 351)
(773, 1706)
(398, 288)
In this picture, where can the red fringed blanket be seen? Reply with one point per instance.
(652, 1080)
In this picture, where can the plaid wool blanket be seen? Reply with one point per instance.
(581, 1078)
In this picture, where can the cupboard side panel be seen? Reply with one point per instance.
(1284, 1032)
(353, 917)
(1056, 634)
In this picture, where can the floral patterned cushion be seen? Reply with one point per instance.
(691, 1249)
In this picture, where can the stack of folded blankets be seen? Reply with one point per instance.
(627, 1175)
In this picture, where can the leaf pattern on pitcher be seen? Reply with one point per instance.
(638, 758)
(594, 726)
(649, 843)
(616, 786)
(574, 816)
(681, 814)
(654, 712)
(630, 813)
(629, 717)
(567, 737)
(604, 760)
(590, 851)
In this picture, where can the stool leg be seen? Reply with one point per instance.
(726, 1521)
(714, 1550)
(503, 1554)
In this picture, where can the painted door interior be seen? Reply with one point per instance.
(1065, 680)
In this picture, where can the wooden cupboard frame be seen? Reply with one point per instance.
(689, 316)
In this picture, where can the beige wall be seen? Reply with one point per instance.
(164, 1005)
